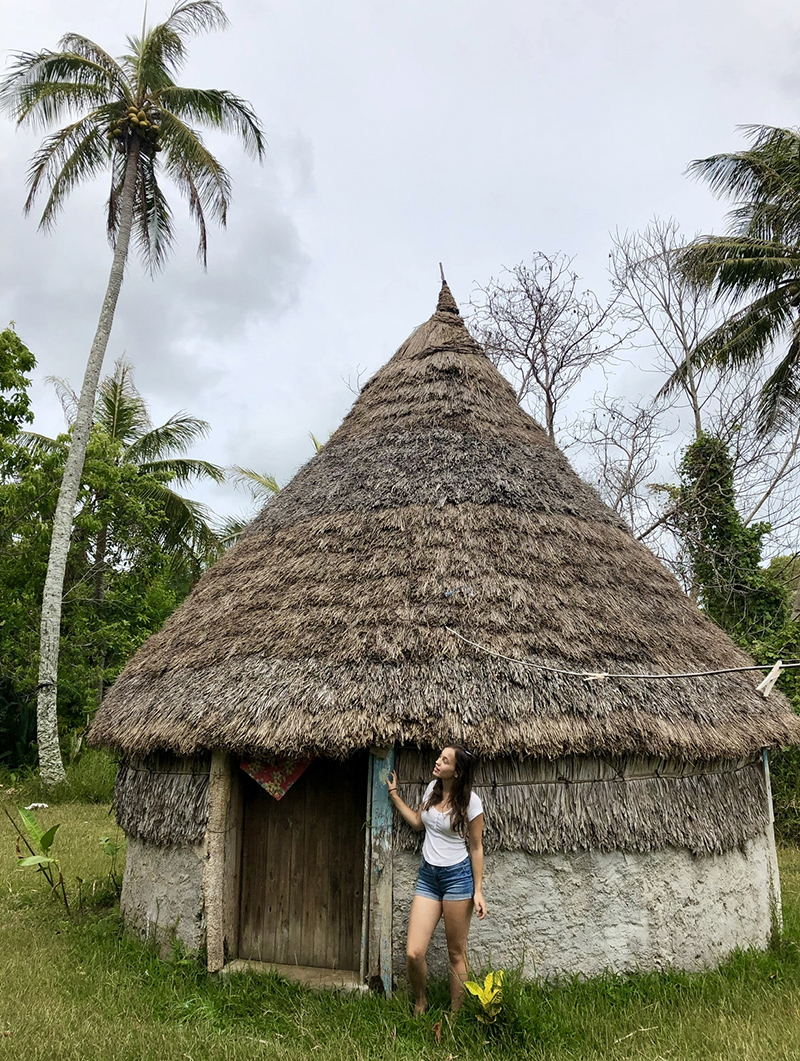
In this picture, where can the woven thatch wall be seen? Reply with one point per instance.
(439, 503)
(631, 803)
(163, 799)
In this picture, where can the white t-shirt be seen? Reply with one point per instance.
(443, 846)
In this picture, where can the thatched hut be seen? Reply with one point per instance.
(439, 573)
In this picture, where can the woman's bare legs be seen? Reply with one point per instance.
(457, 916)
(424, 918)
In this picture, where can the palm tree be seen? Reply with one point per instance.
(756, 267)
(156, 455)
(130, 117)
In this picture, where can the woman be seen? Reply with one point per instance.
(451, 876)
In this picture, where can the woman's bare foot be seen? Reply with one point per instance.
(420, 1006)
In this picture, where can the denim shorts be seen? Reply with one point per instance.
(446, 882)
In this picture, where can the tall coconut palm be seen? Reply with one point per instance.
(756, 267)
(130, 117)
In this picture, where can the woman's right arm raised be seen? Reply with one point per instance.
(413, 817)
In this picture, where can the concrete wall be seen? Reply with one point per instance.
(162, 894)
(588, 911)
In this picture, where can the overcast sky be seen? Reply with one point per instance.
(400, 135)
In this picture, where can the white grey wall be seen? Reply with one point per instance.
(589, 911)
(162, 894)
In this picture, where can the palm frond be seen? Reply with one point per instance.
(182, 470)
(735, 265)
(38, 445)
(765, 181)
(197, 16)
(779, 401)
(161, 51)
(174, 436)
(119, 163)
(749, 332)
(741, 339)
(260, 484)
(201, 178)
(217, 109)
(66, 395)
(187, 523)
(120, 409)
(64, 160)
(42, 86)
(231, 530)
(153, 230)
(77, 44)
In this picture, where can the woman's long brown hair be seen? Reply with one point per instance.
(460, 792)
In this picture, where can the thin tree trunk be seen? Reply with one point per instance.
(51, 765)
(99, 596)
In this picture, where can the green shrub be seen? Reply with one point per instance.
(784, 768)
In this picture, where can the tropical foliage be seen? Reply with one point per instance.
(732, 586)
(138, 547)
(755, 268)
(129, 117)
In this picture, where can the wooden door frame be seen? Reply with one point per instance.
(223, 867)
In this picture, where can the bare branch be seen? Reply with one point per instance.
(542, 331)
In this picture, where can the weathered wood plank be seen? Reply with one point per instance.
(296, 898)
(233, 864)
(219, 795)
(380, 903)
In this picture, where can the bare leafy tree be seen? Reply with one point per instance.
(670, 314)
(543, 331)
(620, 442)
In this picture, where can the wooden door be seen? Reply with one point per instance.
(303, 868)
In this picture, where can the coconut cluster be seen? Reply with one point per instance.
(141, 122)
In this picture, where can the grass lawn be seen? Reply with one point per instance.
(71, 987)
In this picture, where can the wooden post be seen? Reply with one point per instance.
(219, 796)
(380, 893)
(772, 855)
(363, 955)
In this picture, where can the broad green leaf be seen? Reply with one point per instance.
(32, 827)
(36, 860)
(46, 841)
(109, 846)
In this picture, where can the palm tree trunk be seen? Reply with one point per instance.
(99, 596)
(51, 765)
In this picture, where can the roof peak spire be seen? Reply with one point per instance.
(446, 303)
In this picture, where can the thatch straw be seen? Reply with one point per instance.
(634, 803)
(163, 799)
(438, 503)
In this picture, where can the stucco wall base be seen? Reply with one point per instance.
(589, 912)
(162, 895)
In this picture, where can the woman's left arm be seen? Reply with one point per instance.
(476, 857)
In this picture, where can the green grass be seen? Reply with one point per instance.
(90, 779)
(76, 988)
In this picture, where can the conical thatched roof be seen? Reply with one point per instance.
(438, 503)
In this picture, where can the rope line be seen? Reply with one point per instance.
(618, 779)
(600, 675)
